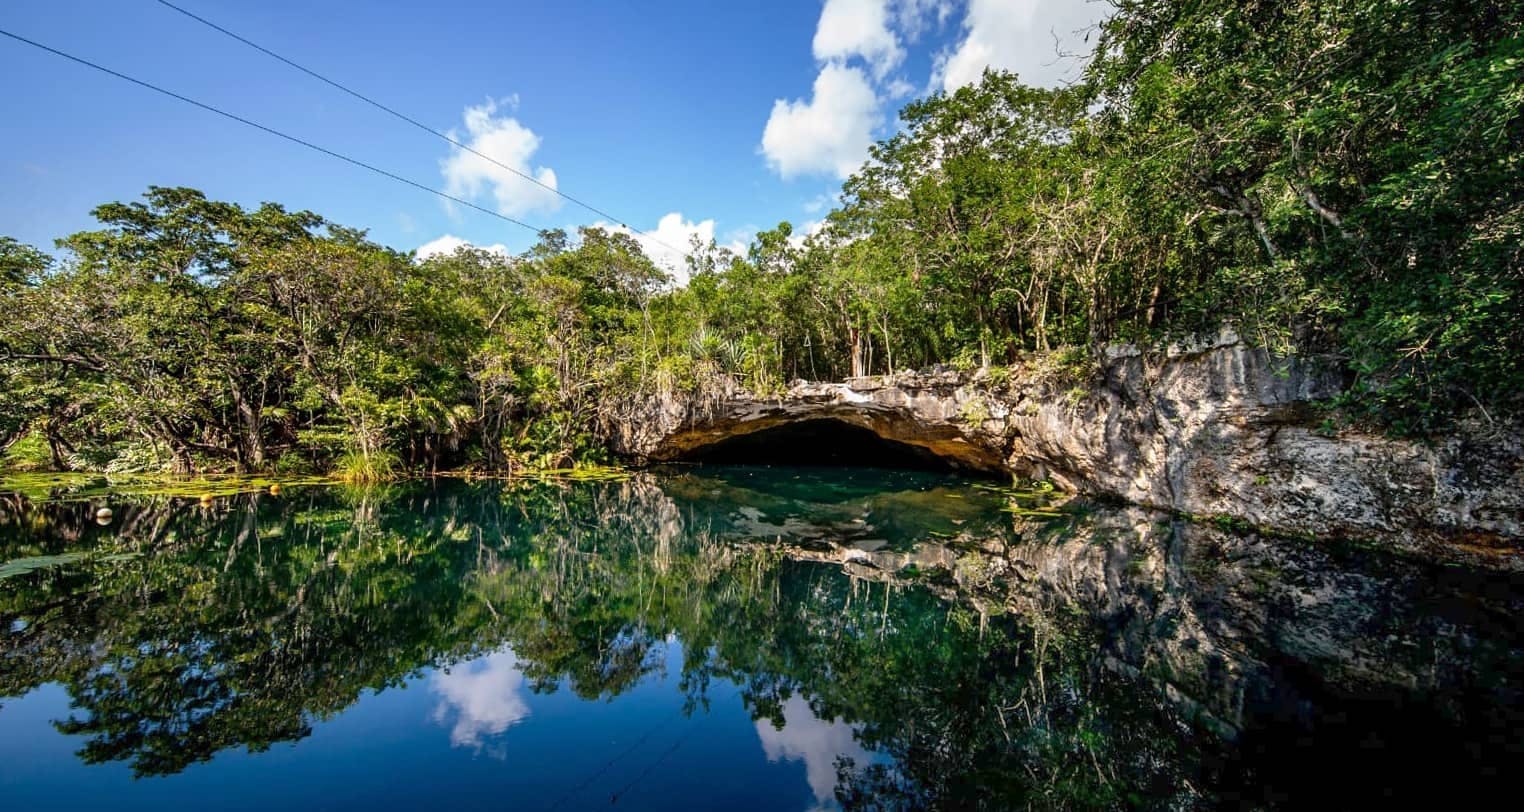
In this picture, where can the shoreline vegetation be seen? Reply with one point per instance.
(1346, 181)
(89, 486)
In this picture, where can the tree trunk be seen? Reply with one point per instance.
(183, 464)
(1249, 207)
(56, 451)
(1329, 215)
(251, 440)
(856, 336)
(1153, 305)
(492, 438)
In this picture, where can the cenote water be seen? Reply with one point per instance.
(731, 638)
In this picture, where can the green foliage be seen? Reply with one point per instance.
(199, 336)
(28, 453)
(136, 457)
(1319, 175)
(999, 377)
(974, 411)
(1356, 170)
(359, 468)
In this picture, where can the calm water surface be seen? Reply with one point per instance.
(732, 638)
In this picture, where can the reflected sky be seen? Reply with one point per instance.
(480, 699)
(743, 639)
(818, 743)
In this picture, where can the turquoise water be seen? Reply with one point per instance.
(737, 638)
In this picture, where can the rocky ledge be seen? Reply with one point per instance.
(1221, 430)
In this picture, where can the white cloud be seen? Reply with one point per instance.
(914, 17)
(509, 143)
(830, 133)
(851, 28)
(671, 230)
(1019, 36)
(449, 243)
(485, 696)
(804, 231)
(739, 239)
(820, 203)
(899, 89)
(805, 737)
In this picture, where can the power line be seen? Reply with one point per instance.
(410, 120)
(241, 120)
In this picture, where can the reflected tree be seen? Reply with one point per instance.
(184, 630)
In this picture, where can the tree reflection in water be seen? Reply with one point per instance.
(911, 639)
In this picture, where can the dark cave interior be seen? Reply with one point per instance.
(821, 443)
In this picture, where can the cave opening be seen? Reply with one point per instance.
(822, 443)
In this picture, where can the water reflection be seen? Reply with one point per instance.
(821, 745)
(902, 640)
(480, 699)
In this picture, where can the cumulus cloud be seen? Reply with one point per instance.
(860, 28)
(672, 230)
(820, 203)
(915, 17)
(739, 239)
(804, 231)
(899, 89)
(449, 244)
(816, 742)
(505, 140)
(1042, 41)
(486, 697)
(828, 134)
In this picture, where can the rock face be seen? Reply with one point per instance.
(922, 411)
(1222, 430)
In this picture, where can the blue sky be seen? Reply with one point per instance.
(715, 117)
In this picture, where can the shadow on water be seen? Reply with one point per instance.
(945, 643)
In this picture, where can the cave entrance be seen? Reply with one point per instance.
(820, 443)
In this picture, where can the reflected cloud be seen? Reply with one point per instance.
(485, 696)
(818, 743)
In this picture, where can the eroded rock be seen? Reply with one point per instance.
(1220, 429)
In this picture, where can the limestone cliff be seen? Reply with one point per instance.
(1222, 430)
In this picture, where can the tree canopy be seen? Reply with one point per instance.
(1331, 176)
